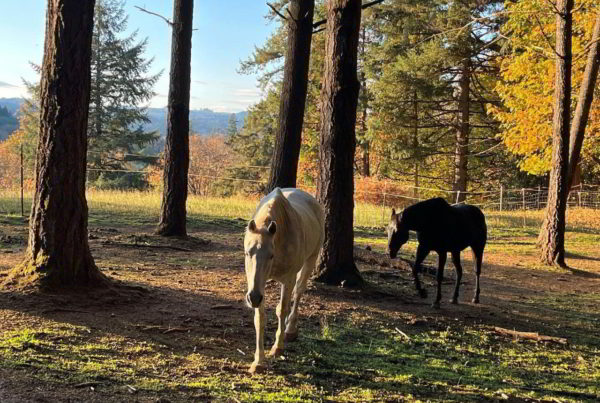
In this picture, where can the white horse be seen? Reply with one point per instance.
(282, 242)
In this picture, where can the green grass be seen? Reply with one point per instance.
(345, 359)
(348, 357)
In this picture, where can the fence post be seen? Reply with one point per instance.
(579, 197)
(22, 204)
(523, 192)
(501, 194)
(383, 209)
(538, 196)
(457, 196)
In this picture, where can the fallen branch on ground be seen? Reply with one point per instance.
(530, 335)
(402, 333)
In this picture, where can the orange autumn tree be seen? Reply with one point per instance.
(210, 161)
(527, 84)
(26, 136)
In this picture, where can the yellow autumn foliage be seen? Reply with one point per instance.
(527, 81)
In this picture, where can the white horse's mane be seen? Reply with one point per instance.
(275, 209)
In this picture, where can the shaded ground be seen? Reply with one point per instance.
(186, 335)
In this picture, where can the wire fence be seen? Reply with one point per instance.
(401, 196)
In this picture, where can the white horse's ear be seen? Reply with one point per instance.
(252, 226)
(272, 227)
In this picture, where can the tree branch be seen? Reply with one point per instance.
(155, 14)
(272, 7)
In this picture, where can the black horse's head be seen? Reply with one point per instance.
(397, 233)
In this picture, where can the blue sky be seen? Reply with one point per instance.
(227, 31)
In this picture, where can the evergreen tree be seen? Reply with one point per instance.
(430, 94)
(173, 214)
(232, 126)
(58, 252)
(121, 85)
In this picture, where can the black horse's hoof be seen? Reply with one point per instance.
(475, 300)
(454, 301)
(435, 305)
(423, 293)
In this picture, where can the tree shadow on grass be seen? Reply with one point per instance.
(111, 339)
(423, 363)
(571, 255)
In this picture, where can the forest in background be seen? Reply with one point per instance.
(454, 96)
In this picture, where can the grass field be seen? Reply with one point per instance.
(186, 336)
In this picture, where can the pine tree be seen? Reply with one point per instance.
(335, 190)
(232, 126)
(121, 85)
(552, 234)
(284, 164)
(173, 214)
(58, 252)
(430, 94)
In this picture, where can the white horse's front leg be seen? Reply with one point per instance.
(259, 325)
(282, 311)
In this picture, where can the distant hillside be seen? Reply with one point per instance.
(11, 104)
(8, 123)
(202, 121)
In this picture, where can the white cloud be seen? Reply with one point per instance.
(12, 91)
(6, 85)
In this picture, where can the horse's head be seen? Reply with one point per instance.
(397, 233)
(259, 249)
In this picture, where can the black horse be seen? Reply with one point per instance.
(441, 228)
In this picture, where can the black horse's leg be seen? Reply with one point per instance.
(440, 277)
(456, 261)
(478, 255)
(422, 253)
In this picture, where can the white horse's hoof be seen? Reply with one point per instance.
(256, 368)
(276, 352)
(289, 337)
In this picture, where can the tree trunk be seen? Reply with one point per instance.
(462, 135)
(284, 165)
(416, 145)
(177, 151)
(364, 98)
(584, 102)
(552, 234)
(58, 252)
(335, 189)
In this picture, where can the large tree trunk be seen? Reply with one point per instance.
(584, 102)
(416, 145)
(335, 189)
(552, 234)
(58, 252)
(177, 150)
(462, 134)
(284, 165)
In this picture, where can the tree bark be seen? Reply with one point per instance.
(462, 135)
(416, 145)
(335, 189)
(177, 151)
(58, 252)
(584, 102)
(284, 165)
(552, 234)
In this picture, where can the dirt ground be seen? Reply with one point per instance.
(187, 296)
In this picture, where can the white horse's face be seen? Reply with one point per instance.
(259, 249)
